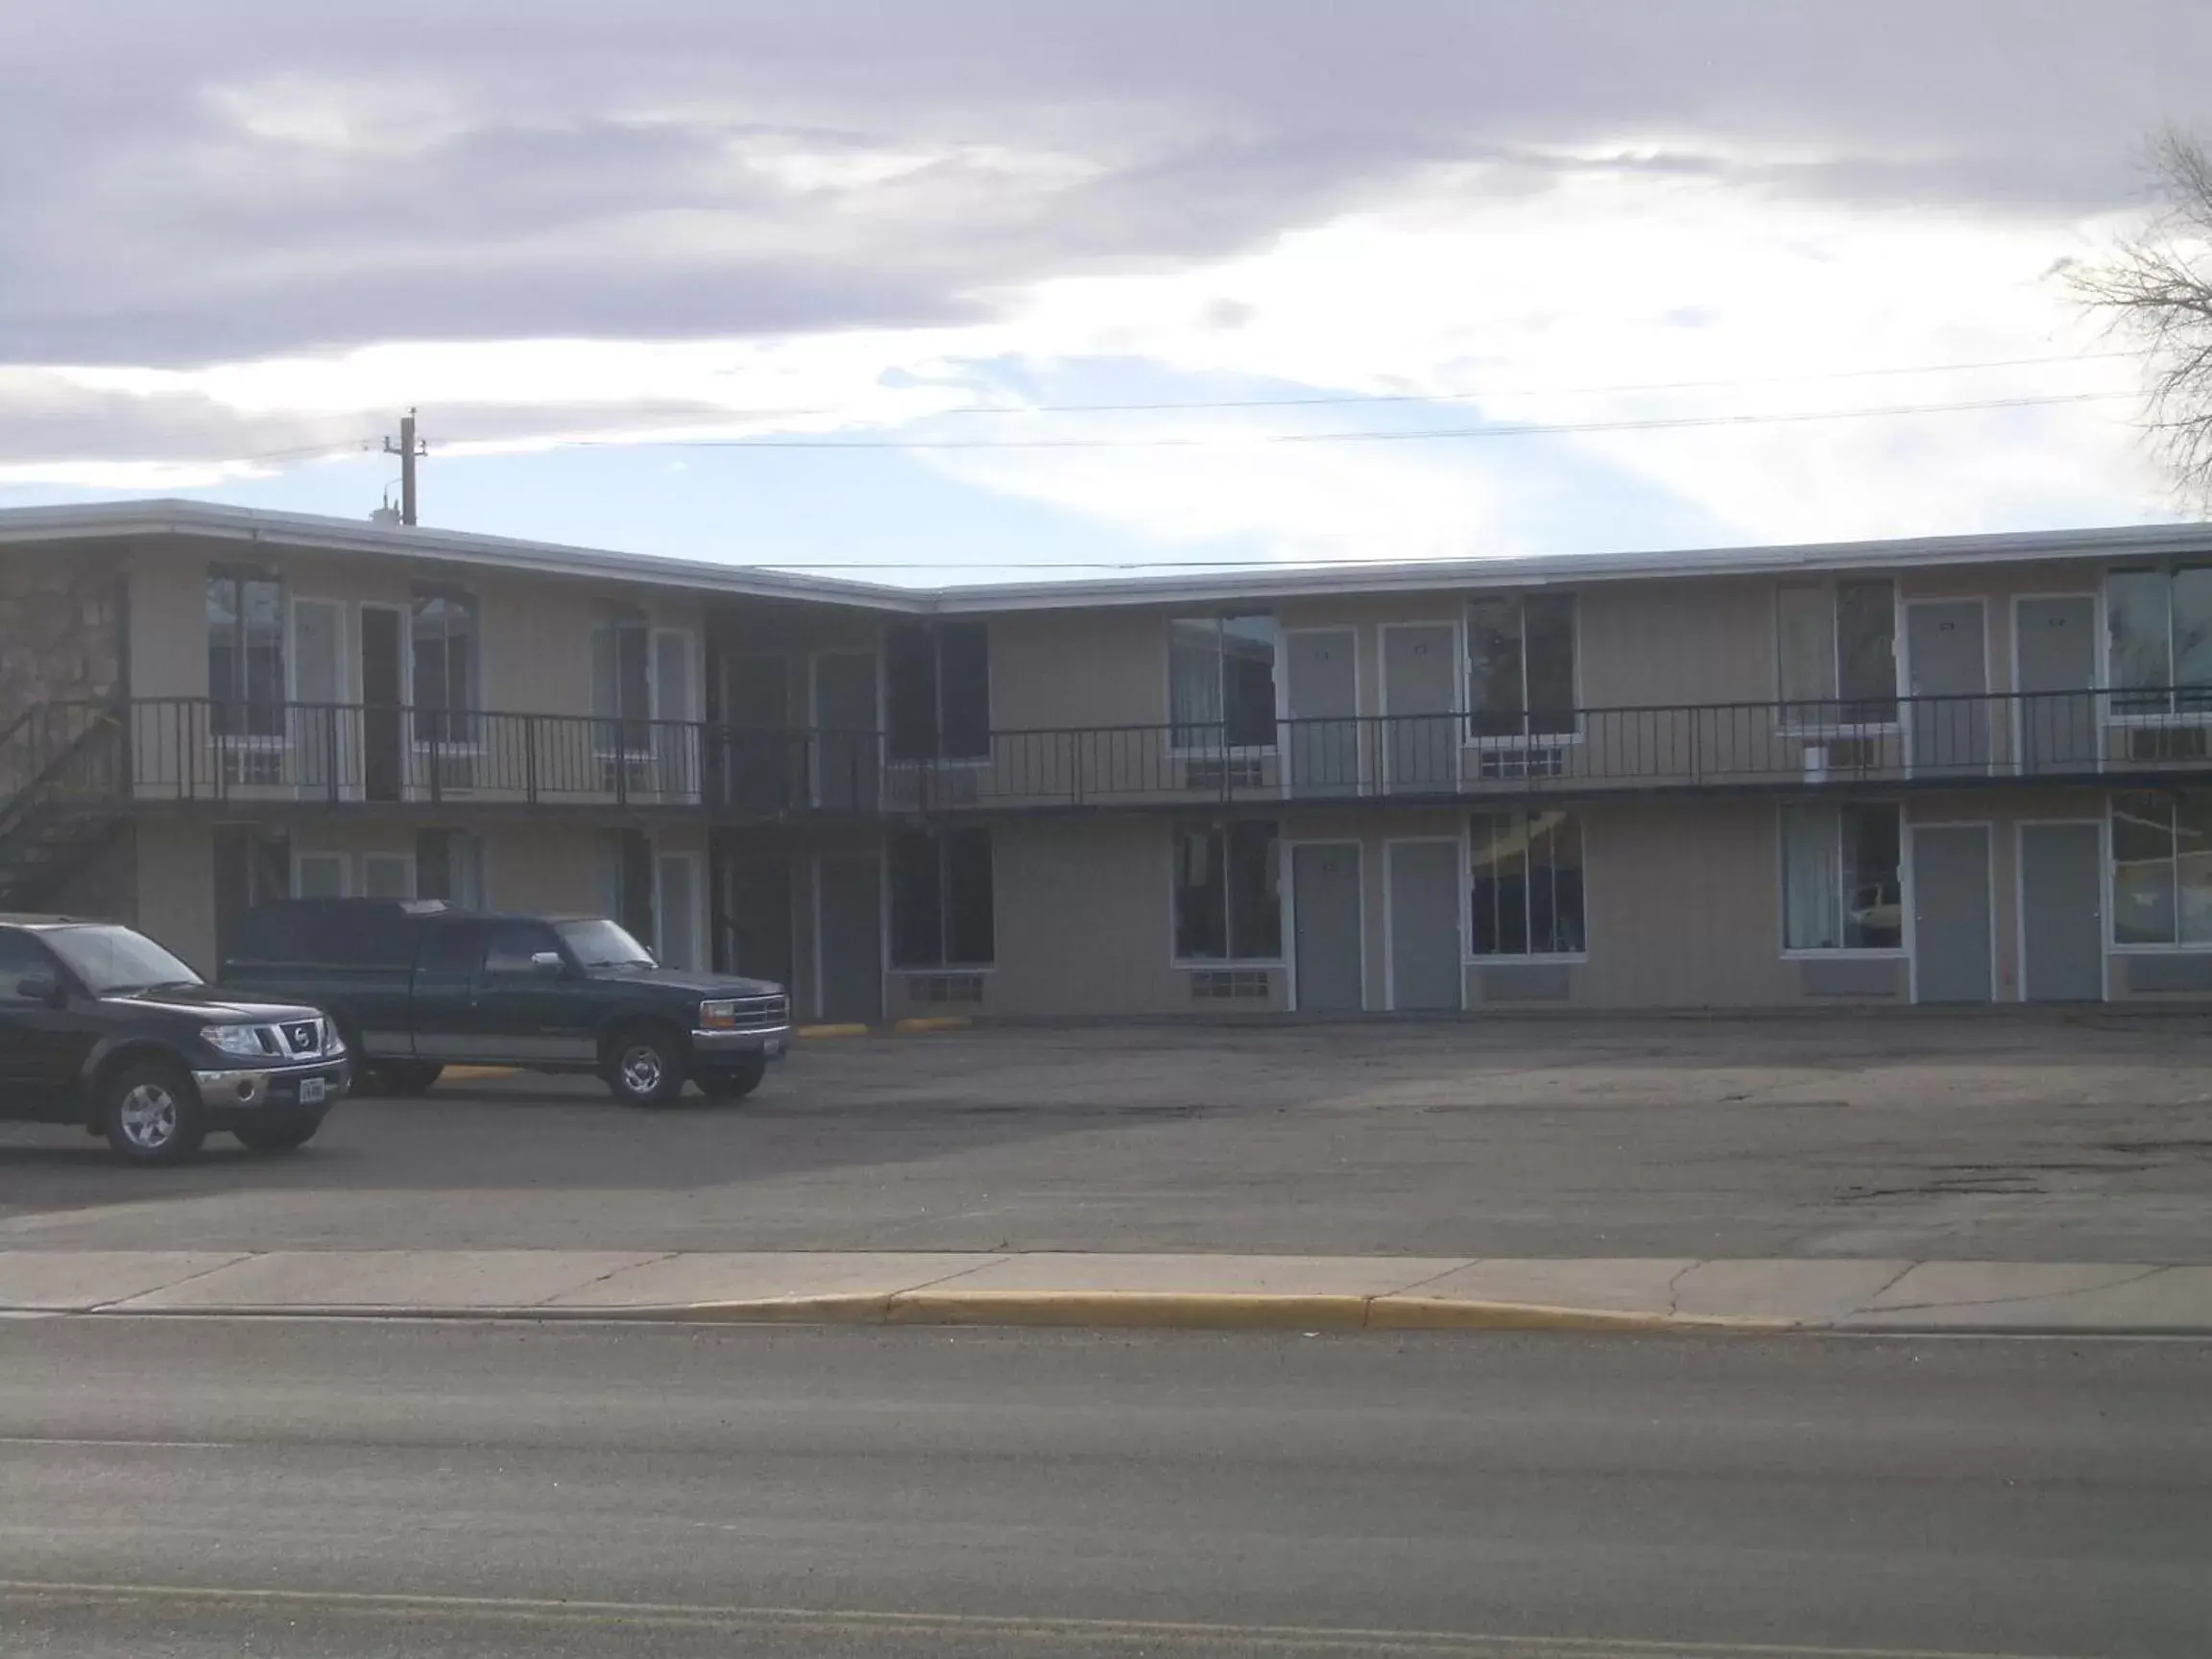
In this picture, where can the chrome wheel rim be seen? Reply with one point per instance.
(640, 1070)
(149, 1117)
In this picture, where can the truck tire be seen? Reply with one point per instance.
(402, 1077)
(735, 1081)
(645, 1065)
(150, 1113)
(287, 1133)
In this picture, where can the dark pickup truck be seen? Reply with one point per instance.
(100, 1026)
(416, 987)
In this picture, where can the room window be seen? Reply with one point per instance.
(2162, 868)
(941, 899)
(246, 682)
(1835, 648)
(1525, 884)
(1221, 682)
(444, 642)
(1228, 901)
(937, 688)
(1521, 665)
(1841, 889)
(2158, 625)
(449, 865)
(623, 683)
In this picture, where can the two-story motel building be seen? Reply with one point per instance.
(1965, 770)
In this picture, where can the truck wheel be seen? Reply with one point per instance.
(645, 1066)
(735, 1081)
(151, 1112)
(285, 1134)
(402, 1077)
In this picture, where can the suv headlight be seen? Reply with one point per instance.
(717, 1016)
(239, 1039)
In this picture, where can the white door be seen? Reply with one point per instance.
(676, 710)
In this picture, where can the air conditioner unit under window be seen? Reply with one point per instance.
(1219, 771)
(1548, 761)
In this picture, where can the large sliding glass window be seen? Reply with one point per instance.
(1221, 682)
(1525, 889)
(1837, 654)
(2162, 868)
(2159, 629)
(446, 676)
(941, 899)
(1228, 898)
(245, 680)
(623, 683)
(1840, 886)
(937, 691)
(1521, 665)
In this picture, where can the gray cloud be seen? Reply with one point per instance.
(555, 167)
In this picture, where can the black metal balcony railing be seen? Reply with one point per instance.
(172, 750)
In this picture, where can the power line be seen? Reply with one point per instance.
(1416, 435)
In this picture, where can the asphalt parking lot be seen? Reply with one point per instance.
(2002, 1137)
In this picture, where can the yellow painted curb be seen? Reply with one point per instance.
(474, 1074)
(854, 1030)
(933, 1023)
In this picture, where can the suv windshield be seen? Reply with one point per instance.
(114, 959)
(603, 944)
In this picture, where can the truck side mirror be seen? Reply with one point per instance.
(546, 964)
(41, 988)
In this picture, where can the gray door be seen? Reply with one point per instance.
(852, 940)
(1424, 888)
(1420, 689)
(756, 918)
(1325, 895)
(763, 759)
(845, 748)
(1951, 913)
(2062, 912)
(2057, 652)
(1324, 735)
(1950, 672)
(319, 735)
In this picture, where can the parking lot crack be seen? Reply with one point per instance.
(171, 1285)
(602, 1278)
(2031, 1297)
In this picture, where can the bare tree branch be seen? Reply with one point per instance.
(2156, 288)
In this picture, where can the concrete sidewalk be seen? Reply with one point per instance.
(1217, 1292)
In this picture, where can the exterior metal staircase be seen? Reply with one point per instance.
(62, 799)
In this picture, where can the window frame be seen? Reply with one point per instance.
(1828, 586)
(467, 716)
(2113, 943)
(238, 576)
(1177, 829)
(1790, 952)
(2114, 695)
(940, 840)
(1468, 955)
(934, 633)
(1526, 739)
(1278, 689)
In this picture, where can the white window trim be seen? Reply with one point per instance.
(1535, 958)
(1199, 964)
(1465, 691)
(474, 710)
(1902, 950)
(1225, 750)
(1785, 728)
(2112, 940)
(263, 742)
(2109, 701)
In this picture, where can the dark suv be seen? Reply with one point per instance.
(99, 1025)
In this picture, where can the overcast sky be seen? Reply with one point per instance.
(641, 265)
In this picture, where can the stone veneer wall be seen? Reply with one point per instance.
(60, 627)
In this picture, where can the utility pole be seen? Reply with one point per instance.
(407, 449)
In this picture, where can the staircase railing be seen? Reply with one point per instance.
(54, 753)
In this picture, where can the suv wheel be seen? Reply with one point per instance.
(151, 1114)
(735, 1081)
(282, 1134)
(645, 1066)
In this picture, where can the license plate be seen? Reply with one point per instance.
(312, 1090)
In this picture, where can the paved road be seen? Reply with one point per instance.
(1918, 1137)
(1029, 1494)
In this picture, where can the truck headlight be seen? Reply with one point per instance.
(333, 1042)
(717, 1016)
(242, 1041)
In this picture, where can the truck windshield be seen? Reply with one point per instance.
(114, 959)
(602, 944)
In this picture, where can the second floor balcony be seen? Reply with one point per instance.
(159, 753)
